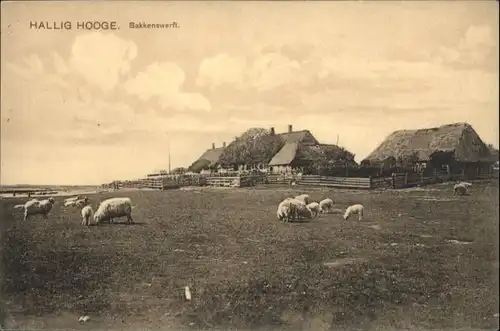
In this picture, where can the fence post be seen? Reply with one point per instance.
(371, 182)
(435, 175)
(406, 179)
(393, 180)
(422, 178)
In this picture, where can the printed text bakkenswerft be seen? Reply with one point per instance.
(144, 25)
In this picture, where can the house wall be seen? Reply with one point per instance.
(281, 169)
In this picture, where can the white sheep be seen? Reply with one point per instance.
(35, 207)
(459, 189)
(87, 215)
(326, 205)
(73, 198)
(69, 203)
(286, 210)
(304, 198)
(82, 202)
(302, 211)
(314, 207)
(354, 209)
(114, 207)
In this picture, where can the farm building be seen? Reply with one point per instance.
(452, 147)
(263, 149)
(208, 160)
(300, 155)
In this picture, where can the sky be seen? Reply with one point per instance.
(92, 106)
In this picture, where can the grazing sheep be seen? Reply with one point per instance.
(87, 215)
(314, 207)
(69, 203)
(326, 205)
(286, 211)
(73, 198)
(302, 210)
(354, 209)
(82, 202)
(459, 189)
(304, 198)
(114, 207)
(35, 207)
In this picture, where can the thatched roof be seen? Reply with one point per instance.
(320, 154)
(285, 155)
(459, 139)
(494, 153)
(303, 136)
(209, 159)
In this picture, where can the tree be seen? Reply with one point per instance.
(254, 146)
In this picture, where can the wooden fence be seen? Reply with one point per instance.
(398, 180)
(341, 182)
(402, 180)
(232, 181)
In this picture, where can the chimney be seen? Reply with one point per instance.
(272, 131)
(289, 128)
(213, 145)
(224, 144)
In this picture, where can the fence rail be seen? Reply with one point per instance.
(341, 182)
(396, 181)
(402, 180)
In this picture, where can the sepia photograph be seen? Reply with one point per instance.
(249, 165)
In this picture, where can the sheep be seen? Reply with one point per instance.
(314, 207)
(114, 207)
(87, 214)
(82, 202)
(286, 210)
(459, 189)
(35, 207)
(19, 206)
(69, 203)
(326, 205)
(354, 209)
(302, 211)
(304, 198)
(73, 198)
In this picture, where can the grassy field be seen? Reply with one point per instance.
(394, 270)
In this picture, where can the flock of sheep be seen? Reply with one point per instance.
(107, 210)
(302, 207)
(289, 209)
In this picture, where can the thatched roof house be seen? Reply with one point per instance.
(300, 154)
(456, 142)
(302, 149)
(258, 147)
(209, 159)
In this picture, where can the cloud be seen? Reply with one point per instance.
(268, 71)
(102, 59)
(220, 70)
(163, 81)
(59, 64)
(476, 49)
